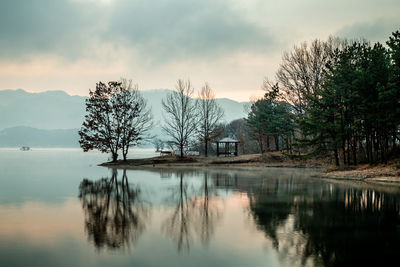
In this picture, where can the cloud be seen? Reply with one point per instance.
(377, 30)
(159, 30)
(232, 44)
(183, 28)
(41, 27)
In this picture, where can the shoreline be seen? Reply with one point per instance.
(379, 174)
(250, 161)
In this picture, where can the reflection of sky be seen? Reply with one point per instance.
(42, 223)
(48, 175)
(53, 234)
(42, 218)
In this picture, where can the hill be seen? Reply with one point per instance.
(57, 110)
(47, 110)
(52, 118)
(28, 136)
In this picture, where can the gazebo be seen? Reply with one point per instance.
(226, 148)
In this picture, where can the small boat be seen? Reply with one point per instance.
(25, 148)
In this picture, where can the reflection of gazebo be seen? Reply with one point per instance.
(226, 149)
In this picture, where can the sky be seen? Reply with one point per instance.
(231, 44)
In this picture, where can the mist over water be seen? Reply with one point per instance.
(58, 208)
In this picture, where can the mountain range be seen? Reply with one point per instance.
(51, 118)
(32, 137)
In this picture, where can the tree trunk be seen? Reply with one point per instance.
(260, 143)
(124, 152)
(181, 149)
(206, 147)
(354, 150)
(276, 142)
(287, 144)
(348, 150)
(344, 150)
(114, 156)
(369, 148)
(336, 156)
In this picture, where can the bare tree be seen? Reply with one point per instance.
(210, 113)
(158, 144)
(180, 115)
(302, 70)
(136, 119)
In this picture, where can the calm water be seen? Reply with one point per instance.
(57, 208)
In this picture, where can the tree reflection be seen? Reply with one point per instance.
(328, 225)
(115, 216)
(269, 210)
(209, 210)
(196, 213)
(178, 223)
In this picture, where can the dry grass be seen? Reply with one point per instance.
(270, 159)
(389, 172)
(377, 173)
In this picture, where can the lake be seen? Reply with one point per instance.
(58, 208)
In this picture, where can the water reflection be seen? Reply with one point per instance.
(304, 221)
(209, 210)
(197, 211)
(325, 225)
(115, 216)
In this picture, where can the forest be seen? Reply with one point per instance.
(337, 98)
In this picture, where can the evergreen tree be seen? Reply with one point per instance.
(356, 111)
(271, 118)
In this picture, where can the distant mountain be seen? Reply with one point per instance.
(27, 136)
(233, 110)
(47, 110)
(55, 110)
(58, 110)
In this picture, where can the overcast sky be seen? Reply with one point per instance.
(233, 44)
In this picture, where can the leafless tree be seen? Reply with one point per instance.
(136, 119)
(180, 115)
(158, 144)
(210, 113)
(302, 70)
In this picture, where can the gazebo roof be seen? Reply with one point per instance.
(228, 140)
